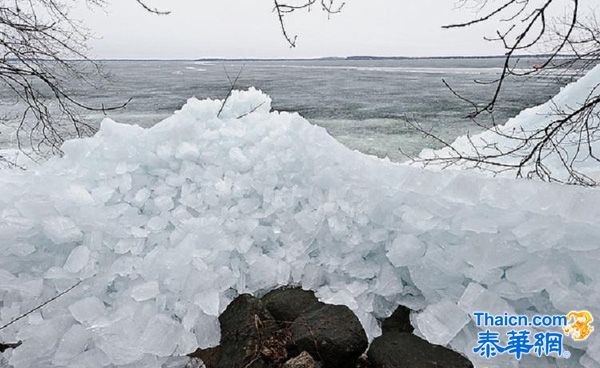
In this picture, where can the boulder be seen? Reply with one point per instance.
(209, 357)
(405, 350)
(304, 360)
(287, 304)
(399, 321)
(245, 327)
(332, 334)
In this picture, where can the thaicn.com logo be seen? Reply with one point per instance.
(538, 335)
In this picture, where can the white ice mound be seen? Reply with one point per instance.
(167, 225)
(572, 139)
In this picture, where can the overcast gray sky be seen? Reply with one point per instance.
(249, 28)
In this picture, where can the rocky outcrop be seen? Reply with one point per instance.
(332, 334)
(399, 321)
(290, 328)
(405, 350)
(304, 360)
(287, 304)
(246, 326)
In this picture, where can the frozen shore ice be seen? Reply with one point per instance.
(167, 225)
(518, 136)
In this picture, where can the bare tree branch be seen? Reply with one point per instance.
(282, 9)
(232, 87)
(42, 305)
(152, 9)
(42, 53)
(573, 47)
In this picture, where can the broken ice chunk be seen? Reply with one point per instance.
(73, 343)
(405, 250)
(477, 298)
(87, 310)
(126, 266)
(77, 260)
(24, 284)
(125, 183)
(440, 322)
(141, 196)
(164, 203)
(164, 152)
(135, 246)
(157, 223)
(78, 195)
(18, 249)
(35, 336)
(209, 302)
(337, 297)
(593, 351)
(102, 193)
(186, 151)
(145, 291)
(378, 235)
(532, 276)
(587, 362)
(161, 336)
(238, 157)
(61, 230)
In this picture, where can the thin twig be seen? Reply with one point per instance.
(40, 306)
(231, 89)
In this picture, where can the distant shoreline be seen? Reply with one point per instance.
(367, 57)
(347, 58)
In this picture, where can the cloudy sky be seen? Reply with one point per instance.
(249, 28)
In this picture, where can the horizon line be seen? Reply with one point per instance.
(325, 58)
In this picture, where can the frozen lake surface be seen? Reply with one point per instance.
(363, 103)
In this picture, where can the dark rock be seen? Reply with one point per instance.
(275, 349)
(363, 362)
(304, 360)
(245, 326)
(332, 334)
(210, 357)
(287, 304)
(4, 347)
(405, 350)
(399, 321)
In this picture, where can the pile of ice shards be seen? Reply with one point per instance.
(166, 225)
(573, 145)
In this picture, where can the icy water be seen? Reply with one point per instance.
(363, 103)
